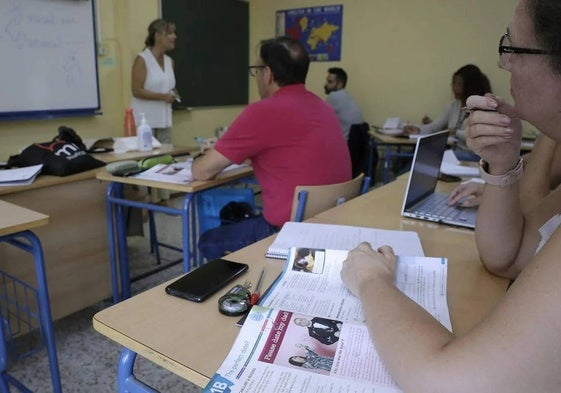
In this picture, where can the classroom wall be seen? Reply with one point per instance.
(400, 54)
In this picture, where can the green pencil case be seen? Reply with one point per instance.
(120, 166)
(149, 162)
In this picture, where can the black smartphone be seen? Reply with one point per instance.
(206, 280)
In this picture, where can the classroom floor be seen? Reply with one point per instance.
(88, 360)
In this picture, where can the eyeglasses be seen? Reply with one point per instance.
(253, 69)
(506, 49)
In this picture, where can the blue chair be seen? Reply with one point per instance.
(312, 200)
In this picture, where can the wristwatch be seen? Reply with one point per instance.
(505, 180)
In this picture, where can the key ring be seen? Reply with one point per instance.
(235, 302)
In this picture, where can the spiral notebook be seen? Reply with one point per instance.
(341, 237)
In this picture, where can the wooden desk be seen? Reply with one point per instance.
(193, 339)
(117, 236)
(75, 241)
(19, 304)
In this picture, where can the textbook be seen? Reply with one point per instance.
(308, 333)
(177, 172)
(341, 237)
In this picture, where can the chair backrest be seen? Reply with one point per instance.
(359, 148)
(311, 200)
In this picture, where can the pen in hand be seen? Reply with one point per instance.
(177, 97)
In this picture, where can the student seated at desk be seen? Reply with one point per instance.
(466, 81)
(291, 136)
(517, 347)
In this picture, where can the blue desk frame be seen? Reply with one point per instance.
(117, 233)
(29, 242)
(117, 229)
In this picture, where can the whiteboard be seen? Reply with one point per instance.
(48, 64)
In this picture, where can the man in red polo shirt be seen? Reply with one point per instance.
(291, 136)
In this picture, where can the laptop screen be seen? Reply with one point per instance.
(425, 167)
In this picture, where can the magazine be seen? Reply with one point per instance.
(178, 172)
(308, 333)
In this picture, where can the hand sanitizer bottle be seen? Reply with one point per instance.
(144, 135)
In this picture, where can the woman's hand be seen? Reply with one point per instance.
(170, 97)
(364, 266)
(494, 132)
(466, 195)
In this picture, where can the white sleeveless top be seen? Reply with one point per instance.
(158, 113)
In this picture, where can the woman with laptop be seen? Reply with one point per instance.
(517, 347)
(466, 81)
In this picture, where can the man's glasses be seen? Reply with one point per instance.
(253, 69)
(506, 49)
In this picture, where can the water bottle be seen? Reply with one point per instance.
(144, 135)
(130, 126)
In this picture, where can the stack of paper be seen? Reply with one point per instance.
(451, 166)
(19, 176)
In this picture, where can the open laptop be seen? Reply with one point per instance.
(421, 201)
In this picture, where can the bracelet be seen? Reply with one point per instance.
(505, 180)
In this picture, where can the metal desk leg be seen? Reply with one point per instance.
(33, 246)
(387, 162)
(186, 224)
(126, 381)
(110, 212)
(121, 228)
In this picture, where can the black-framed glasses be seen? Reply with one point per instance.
(253, 69)
(506, 49)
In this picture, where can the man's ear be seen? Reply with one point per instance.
(269, 77)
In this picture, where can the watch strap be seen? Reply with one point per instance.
(505, 180)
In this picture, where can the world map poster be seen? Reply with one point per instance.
(319, 29)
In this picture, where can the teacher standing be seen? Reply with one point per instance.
(153, 80)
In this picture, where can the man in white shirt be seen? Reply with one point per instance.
(342, 103)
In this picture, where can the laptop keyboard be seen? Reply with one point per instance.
(437, 206)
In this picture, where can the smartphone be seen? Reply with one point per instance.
(199, 284)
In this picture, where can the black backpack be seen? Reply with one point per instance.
(64, 155)
(234, 212)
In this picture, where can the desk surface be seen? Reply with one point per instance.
(194, 186)
(17, 219)
(392, 140)
(48, 180)
(192, 339)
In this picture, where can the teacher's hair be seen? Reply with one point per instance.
(157, 26)
(545, 15)
(287, 59)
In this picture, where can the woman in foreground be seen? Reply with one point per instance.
(517, 347)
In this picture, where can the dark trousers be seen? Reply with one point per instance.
(215, 242)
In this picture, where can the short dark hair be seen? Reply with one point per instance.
(340, 74)
(287, 59)
(475, 81)
(157, 26)
(545, 15)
